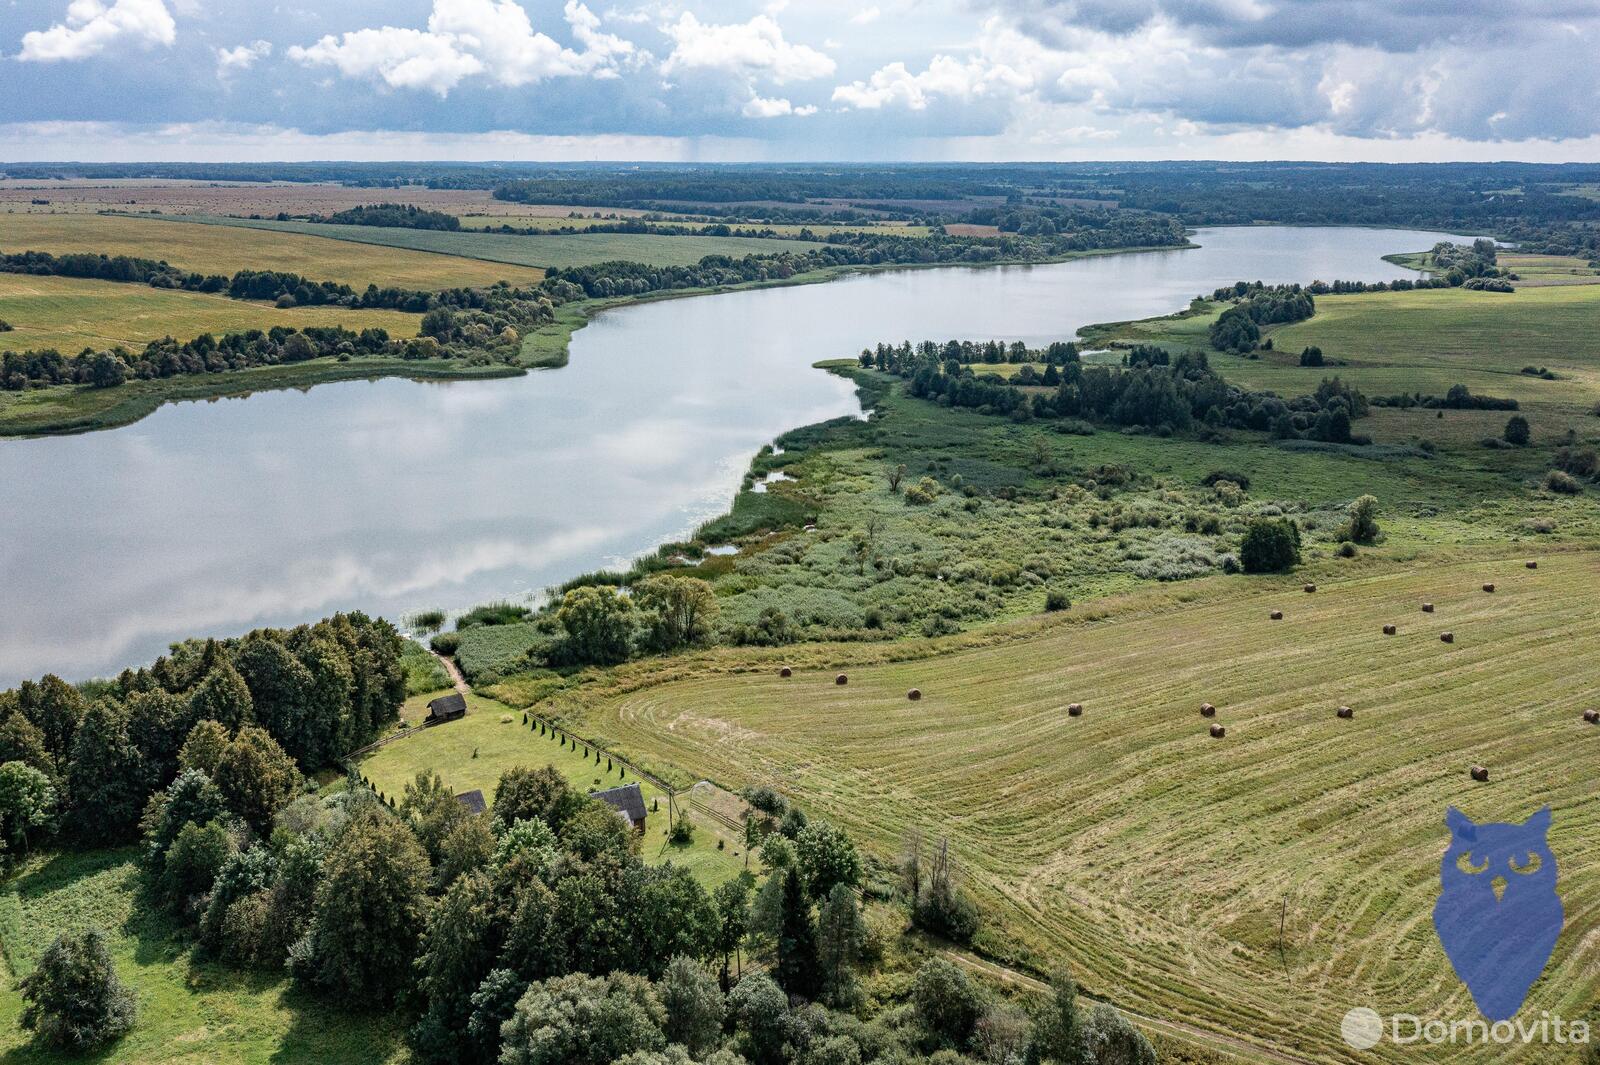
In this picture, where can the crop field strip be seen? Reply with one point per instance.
(213, 250)
(1156, 858)
(70, 314)
(547, 250)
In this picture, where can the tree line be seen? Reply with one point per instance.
(268, 706)
(394, 215)
(167, 357)
(285, 288)
(1153, 390)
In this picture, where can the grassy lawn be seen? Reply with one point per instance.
(218, 251)
(1157, 860)
(190, 1012)
(70, 314)
(545, 250)
(472, 753)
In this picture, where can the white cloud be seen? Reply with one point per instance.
(466, 38)
(241, 58)
(754, 47)
(765, 107)
(896, 86)
(91, 27)
(866, 15)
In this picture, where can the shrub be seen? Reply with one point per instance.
(682, 830)
(445, 643)
(1563, 482)
(1107, 1037)
(1311, 357)
(426, 620)
(1517, 430)
(947, 1005)
(1270, 545)
(1580, 462)
(74, 999)
(1363, 525)
(923, 492)
(1055, 600)
(1210, 480)
(1346, 550)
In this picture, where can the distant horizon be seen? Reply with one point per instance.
(792, 162)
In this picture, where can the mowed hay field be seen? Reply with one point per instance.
(213, 250)
(70, 314)
(548, 250)
(1159, 861)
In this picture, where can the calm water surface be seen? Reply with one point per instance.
(392, 496)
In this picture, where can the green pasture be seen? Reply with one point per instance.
(191, 1012)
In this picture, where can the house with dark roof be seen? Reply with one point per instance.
(628, 801)
(473, 801)
(450, 707)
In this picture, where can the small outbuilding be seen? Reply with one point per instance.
(450, 707)
(628, 801)
(473, 801)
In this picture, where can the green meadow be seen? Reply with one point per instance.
(191, 1012)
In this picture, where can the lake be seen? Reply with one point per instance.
(391, 496)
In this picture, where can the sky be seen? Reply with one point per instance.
(785, 80)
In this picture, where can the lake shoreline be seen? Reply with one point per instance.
(85, 409)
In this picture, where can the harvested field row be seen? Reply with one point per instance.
(1160, 861)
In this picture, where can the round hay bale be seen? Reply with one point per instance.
(1480, 773)
(1207, 710)
(1277, 615)
(1533, 565)
(1592, 716)
(1447, 637)
(1074, 709)
(1389, 630)
(785, 672)
(1488, 587)
(1346, 712)
(1310, 588)
(1427, 608)
(914, 694)
(1218, 731)
(841, 679)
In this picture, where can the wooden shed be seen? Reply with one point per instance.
(450, 707)
(628, 801)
